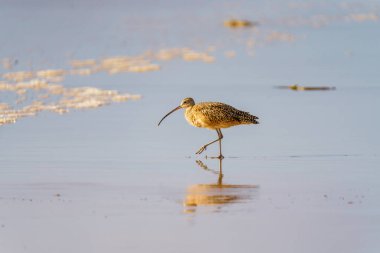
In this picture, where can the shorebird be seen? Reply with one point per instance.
(214, 116)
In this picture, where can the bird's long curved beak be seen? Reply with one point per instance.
(175, 109)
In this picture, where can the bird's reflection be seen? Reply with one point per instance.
(218, 194)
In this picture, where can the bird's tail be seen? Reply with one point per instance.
(249, 119)
(254, 119)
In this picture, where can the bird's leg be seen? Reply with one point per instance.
(220, 157)
(203, 148)
(220, 143)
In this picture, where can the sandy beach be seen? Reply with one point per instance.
(85, 168)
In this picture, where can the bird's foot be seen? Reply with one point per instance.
(203, 148)
(220, 157)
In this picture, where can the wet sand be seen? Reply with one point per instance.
(105, 178)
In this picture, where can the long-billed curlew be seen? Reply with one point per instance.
(213, 115)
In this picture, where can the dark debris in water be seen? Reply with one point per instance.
(239, 23)
(297, 87)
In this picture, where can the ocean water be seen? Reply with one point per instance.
(305, 179)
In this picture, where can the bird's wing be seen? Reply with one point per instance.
(214, 112)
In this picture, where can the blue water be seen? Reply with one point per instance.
(122, 180)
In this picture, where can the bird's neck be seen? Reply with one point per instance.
(188, 109)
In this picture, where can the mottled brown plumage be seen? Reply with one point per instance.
(213, 115)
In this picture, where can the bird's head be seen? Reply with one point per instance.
(185, 103)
